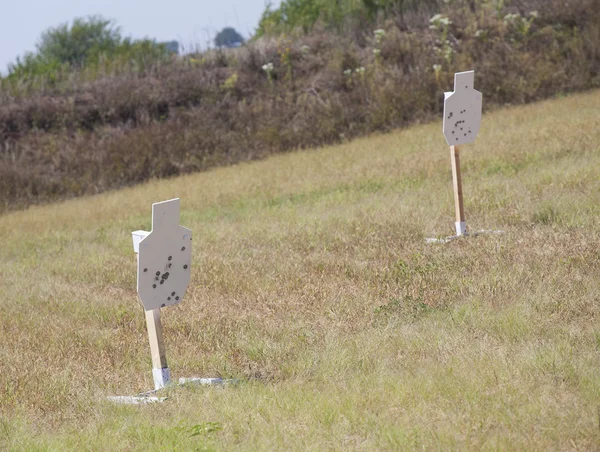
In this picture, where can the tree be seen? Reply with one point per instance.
(171, 46)
(85, 39)
(88, 42)
(291, 14)
(334, 14)
(228, 37)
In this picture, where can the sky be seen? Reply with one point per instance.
(191, 22)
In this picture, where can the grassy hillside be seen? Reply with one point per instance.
(312, 283)
(86, 131)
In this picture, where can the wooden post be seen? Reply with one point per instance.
(461, 226)
(160, 369)
(155, 335)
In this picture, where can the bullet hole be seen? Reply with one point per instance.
(168, 298)
(183, 248)
(162, 305)
(163, 281)
(157, 273)
(177, 298)
(156, 278)
(154, 286)
(145, 270)
(170, 257)
(453, 131)
(169, 265)
(172, 294)
(465, 134)
(185, 267)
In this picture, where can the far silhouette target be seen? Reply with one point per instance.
(462, 110)
(164, 258)
(461, 123)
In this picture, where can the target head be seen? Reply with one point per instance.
(462, 110)
(164, 258)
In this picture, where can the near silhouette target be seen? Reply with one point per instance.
(164, 258)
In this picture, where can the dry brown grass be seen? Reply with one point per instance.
(313, 285)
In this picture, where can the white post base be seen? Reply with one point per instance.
(461, 228)
(162, 377)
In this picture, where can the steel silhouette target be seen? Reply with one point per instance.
(164, 257)
(462, 110)
(460, 125)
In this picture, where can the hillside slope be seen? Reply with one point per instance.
(312, 283)
(81, 132)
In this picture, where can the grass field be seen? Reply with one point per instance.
(312, 284)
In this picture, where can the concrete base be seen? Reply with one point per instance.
(466, 234)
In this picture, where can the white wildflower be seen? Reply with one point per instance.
(379, 34)
(438, 20)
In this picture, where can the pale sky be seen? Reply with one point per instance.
(192, 23)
